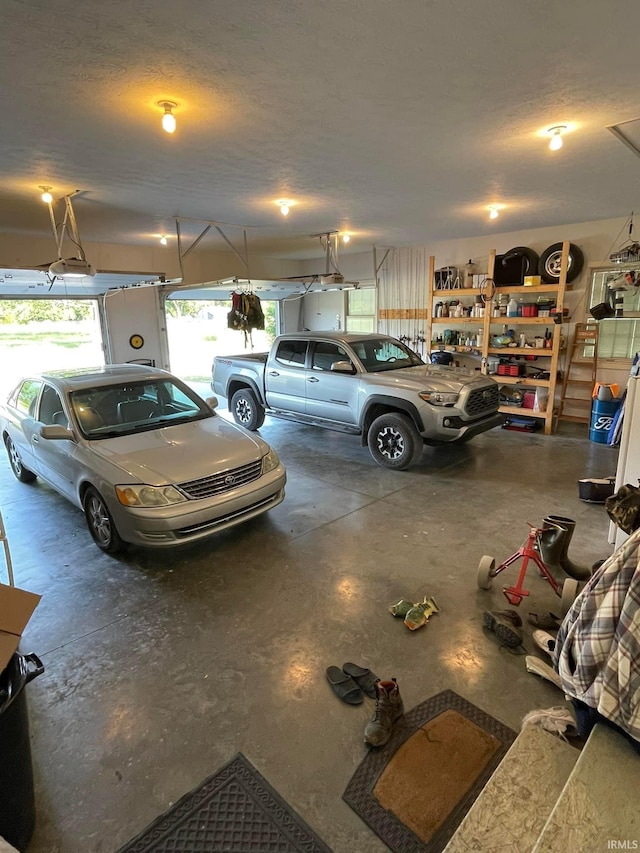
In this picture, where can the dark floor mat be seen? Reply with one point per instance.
(235, 811)
(415, 791)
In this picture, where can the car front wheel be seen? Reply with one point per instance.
(100, 523)
(394, 442)
(246, 410)
(23, 474)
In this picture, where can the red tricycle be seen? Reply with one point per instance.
(530, 550)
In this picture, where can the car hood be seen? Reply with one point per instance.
(436, 377)
(177, 454)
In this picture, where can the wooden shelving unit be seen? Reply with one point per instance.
(488, 324)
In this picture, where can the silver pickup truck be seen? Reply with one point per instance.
(371, 385)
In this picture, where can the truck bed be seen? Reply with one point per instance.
(258, 357)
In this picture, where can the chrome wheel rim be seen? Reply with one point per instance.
(99, 521)
(14, 459)
(390, 443)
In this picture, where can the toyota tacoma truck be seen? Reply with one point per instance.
(368, 384)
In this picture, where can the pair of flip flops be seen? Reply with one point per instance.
(351, 682)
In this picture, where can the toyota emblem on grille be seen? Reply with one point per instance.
(486, 395)
(229, 480)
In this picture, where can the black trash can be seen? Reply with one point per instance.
(17, 803)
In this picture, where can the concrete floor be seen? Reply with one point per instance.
(160, 666)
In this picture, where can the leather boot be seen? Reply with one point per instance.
(389, 709)
(580, 573)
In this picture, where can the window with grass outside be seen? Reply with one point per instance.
(618, 337)
(361, 310)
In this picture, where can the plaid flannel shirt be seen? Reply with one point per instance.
(597, 652)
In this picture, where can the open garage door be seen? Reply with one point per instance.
(47, 334)
(197, 331)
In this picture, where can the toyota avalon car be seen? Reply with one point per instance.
(147, 460)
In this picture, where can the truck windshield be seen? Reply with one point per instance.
(384, 354)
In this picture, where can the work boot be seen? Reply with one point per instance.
(504, 624)
(580, 573)
(389, 709)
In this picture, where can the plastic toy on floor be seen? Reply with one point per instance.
(532, 549)
(415, 615)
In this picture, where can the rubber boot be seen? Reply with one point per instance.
(551, 543)
(580, 573)
(389, 709)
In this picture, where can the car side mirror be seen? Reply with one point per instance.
(56, 433)
(212, 401)
(342, 367)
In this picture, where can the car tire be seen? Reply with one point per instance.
(100, 523)
(246, 410)
(532, 259)
(394, 442)
(550, 259)
(23, 474)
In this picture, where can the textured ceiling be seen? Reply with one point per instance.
(397, 121)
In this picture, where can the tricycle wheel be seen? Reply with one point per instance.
(568, 595)
(486, 571)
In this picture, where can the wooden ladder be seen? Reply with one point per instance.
(580, 375)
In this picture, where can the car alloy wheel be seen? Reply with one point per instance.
(21, 473)
(100, 523)
(393, 441)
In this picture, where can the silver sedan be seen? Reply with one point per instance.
(147, 460)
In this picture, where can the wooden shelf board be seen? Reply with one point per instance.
(519, 351)
(530, 321)
(535, 288)
(453, 321)
(460, 291)
(519, 410)
(521, 380)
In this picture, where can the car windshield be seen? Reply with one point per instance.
(384, 354)
(112, 410)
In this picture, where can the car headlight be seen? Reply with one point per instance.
(270, 461)
(439, 398)
(148, 495)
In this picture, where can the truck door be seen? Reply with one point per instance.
(284, 377)
(331, 395)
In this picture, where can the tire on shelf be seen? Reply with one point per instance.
(550, 260)
(486, 567)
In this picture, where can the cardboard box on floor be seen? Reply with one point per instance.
(16, 608)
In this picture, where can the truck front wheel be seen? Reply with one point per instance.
(394, 442)
(246, 410)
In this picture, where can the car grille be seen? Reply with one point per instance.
(483, 400)
(217, 484)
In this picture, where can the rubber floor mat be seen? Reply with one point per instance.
(235, 810)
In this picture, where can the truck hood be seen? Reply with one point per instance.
(177, 454)
(432, 376)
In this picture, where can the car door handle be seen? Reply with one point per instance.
(273, 373)
(312, 379)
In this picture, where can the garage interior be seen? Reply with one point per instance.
(398, 132)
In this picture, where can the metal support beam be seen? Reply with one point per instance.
(243, 258)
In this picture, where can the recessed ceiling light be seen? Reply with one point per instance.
(556, 136)
(285, 205)
(46, 196)
(168, 119)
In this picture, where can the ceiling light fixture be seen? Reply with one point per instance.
(494, 211)
(168, 119)
(284, 208)
(556, 136)
(346, 238)
(46, 196)
(163, 240)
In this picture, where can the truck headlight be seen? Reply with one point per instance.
(439, 398)
(149, 495)
(270, 461)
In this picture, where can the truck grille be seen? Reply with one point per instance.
(483, 400)
(217, 484)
